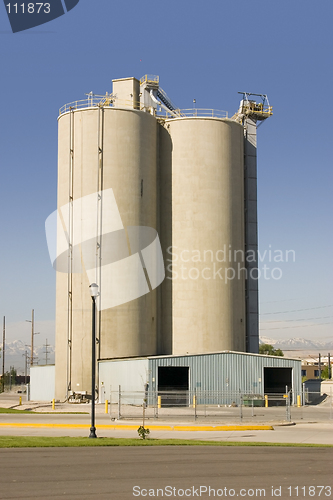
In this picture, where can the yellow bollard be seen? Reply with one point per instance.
(20, 400)
(299, 401)
(194, 402)
(159, 401)
(266, 401)
(53, 404)
(106, 406)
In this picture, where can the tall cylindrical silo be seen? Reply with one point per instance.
(102, 148)
(202, 234)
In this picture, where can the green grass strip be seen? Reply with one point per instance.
(12, 410)
(31, 412)
(49, 442)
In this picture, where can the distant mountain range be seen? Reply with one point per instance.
(297, 343)
(15, 355)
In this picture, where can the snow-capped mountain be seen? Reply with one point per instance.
(296, 343)
(15, 354)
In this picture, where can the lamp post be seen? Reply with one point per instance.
(94, 293)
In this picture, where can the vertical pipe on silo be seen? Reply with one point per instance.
(70, 253)
(100, 145)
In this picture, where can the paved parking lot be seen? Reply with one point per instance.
(126, 473)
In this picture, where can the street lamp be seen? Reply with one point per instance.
(94, 293)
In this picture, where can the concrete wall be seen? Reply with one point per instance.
(101, 148)
(202, 219)
(42, 383)
(127, 91)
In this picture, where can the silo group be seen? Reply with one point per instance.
(181, 174)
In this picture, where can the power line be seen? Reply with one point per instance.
(299, 326)
(296, 310)
(289, 300)
(300, 319)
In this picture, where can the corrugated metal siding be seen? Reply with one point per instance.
(227, 371)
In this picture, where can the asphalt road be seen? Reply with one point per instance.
(112, 473)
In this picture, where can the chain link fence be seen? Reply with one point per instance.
(219, 407)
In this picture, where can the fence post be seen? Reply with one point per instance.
(143, 413)
(110, 400)
(156, 404)
(241, 405)
(119, 402)
(288, 415)
(195, 404)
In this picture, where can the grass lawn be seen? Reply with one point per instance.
(46, 442)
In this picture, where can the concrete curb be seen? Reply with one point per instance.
(151, 427)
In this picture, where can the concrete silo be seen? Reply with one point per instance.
(101, 147)
(202, 234)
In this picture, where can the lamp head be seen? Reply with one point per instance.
(94, 290)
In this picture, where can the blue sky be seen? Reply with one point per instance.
(206, 51)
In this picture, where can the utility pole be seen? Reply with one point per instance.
(3, 353)
(46, 345)
(25, 366)
(32, 336)
(32, 321)
(329, 366)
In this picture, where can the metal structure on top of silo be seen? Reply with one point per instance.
(180, 172)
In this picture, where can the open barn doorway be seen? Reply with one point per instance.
(173, 385)
(277, 381)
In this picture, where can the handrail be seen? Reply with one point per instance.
(149, 78)
(197, 112)
(109, 100)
